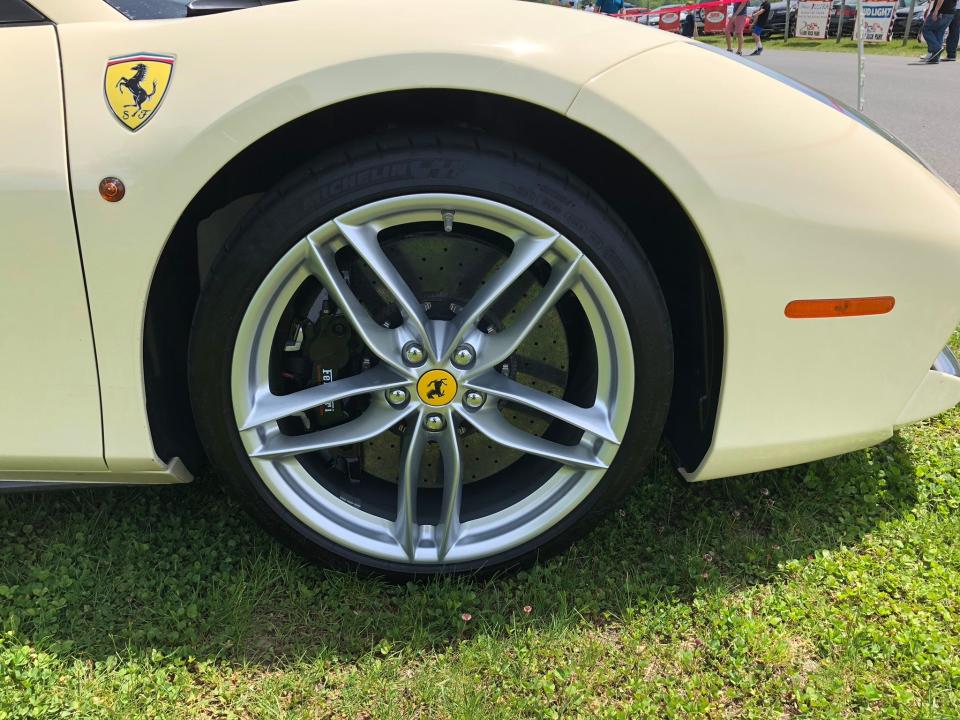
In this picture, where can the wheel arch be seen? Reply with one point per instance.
(647, 206)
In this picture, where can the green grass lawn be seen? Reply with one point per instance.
(830, 590)
(912, 49)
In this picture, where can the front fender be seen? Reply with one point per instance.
(794, 198)
(240, 75)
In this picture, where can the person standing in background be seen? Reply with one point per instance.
(759, 23)
(610, 7)
(953, 36)
(938, 20)
(736, 24)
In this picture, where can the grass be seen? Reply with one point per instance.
(827, 590)
(912, 49)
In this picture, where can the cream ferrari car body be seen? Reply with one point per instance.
(428, 282)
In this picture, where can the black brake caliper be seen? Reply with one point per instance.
(329, 346)
(318, 352)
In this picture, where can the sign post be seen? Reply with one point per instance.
(906, 30)
(874, 23)
(860, 55)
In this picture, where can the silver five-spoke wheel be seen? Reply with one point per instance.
(431, 379)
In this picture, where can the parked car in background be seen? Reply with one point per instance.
(849, 15)
(778, 14)
(900, 19)
(778, 19)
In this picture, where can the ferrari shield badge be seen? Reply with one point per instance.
(134, 86)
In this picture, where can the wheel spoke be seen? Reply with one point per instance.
(363, 239)
(378, 418)
(500, 346)
(448, 529)
(491, 423)
(592, 420)
(405, 528)
(382, 341)
(526, 250)
(268, 407)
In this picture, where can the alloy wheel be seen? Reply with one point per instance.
(430, 372)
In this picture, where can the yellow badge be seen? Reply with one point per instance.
(436, 387)
(134, 86)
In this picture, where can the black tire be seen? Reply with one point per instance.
(448, 161)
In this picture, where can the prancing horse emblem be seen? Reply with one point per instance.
(437, 387)
(436, 390)
(134, 86)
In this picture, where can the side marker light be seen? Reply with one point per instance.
(112, 189)
(839, 307)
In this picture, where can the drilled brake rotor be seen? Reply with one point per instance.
(444, 271)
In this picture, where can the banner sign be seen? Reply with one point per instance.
(632, 12)
(812, 18)
(715, 20)
(877, 21)
(715, 14)
(636, 13)
(670, 21)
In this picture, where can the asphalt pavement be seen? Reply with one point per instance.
(920, 104)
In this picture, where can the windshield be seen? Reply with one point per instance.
(151, 9)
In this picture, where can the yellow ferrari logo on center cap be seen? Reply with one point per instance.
(436, 387)
(134, 86)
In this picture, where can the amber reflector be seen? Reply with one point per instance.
(112, 189)
(839, 307)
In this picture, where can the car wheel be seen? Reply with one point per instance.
(432, 353)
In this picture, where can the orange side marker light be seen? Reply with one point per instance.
(112, 189)
(839, 307)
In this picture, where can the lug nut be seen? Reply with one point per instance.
(473, 399)
(397, 397)
(463, 356)
(434, 422)
(413, 354)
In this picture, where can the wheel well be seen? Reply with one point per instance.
(654, 215)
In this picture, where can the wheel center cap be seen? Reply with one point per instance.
(436, 387)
